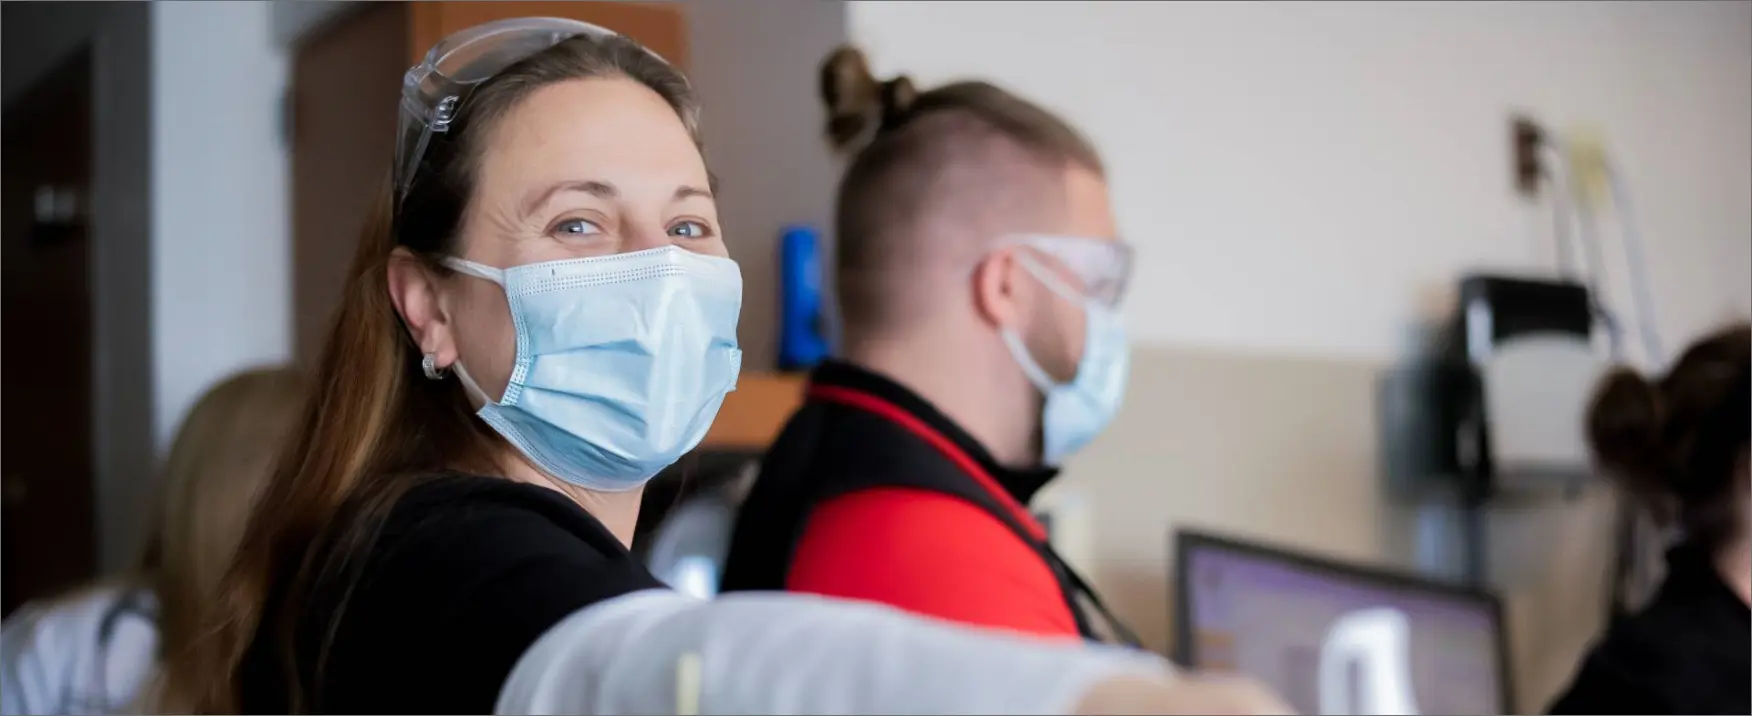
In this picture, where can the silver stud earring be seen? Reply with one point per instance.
(429, 364)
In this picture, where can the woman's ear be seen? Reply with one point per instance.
(418, 299)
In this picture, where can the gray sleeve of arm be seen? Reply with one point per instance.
(777, 653)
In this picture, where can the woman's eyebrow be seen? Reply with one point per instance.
(600, 189)
(691, 191)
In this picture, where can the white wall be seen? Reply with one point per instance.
(221, 259)
(1310, 178)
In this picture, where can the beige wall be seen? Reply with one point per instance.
(1283, 450)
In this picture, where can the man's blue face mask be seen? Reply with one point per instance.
(1076, 411)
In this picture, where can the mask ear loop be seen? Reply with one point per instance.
(468, 384)
(1053, 282)
(1024, 358)
(487, 273)
(1115, 269)
(480, 271)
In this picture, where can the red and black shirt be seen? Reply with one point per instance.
(872, 493)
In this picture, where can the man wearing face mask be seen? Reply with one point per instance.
(978, 275)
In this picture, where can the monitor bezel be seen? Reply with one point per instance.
(1186, 540)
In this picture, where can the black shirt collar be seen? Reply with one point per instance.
(1692, 577)
(1021, 483)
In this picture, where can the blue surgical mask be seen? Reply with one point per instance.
(1077, 411)
(622, 361)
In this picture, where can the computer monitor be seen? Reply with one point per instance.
(1273, 614)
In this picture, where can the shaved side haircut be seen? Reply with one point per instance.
(933, 178)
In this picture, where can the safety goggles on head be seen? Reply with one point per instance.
(1103, 266)
(434, 90)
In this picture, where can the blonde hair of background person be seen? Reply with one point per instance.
(405, 555)
(94, 649)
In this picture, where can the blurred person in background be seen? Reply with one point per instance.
(95, 650)
(539, 317)
(979, 275)
(1680, 445)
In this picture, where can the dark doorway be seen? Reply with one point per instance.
(47, 531)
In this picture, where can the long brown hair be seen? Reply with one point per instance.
(372, 428)
(1674, 443)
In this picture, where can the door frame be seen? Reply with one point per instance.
(61, 98)
(118, 36)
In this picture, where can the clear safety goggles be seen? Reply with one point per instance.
(433, 91)
(1101, 266)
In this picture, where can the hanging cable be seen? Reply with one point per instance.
(1560, 230)
(1556, 180)
(1629, 578)
(1636, 262)
(1594, 277)
(1622, 573)
(1596, 286)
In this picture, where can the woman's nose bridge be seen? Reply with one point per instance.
(644, 234)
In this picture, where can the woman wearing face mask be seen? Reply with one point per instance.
(539, 318)
(979, 276)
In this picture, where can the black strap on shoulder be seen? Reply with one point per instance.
(1120, 631)
(829, 449)
(928, 469)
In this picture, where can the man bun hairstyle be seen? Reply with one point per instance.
(1676, 443)
(928, 174)
(855, 99)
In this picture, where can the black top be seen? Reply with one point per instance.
(808, 464)
(1688, 652)
(466, 574)
(1020, 482)
(829, 449)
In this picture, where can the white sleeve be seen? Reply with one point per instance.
(58, 657)
(659, 652)
(33, 670)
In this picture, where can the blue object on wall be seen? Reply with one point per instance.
(802, 326)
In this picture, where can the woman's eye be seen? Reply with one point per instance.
(576, 227)
(690, 230)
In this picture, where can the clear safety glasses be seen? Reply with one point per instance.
(433, 91)
(1102, 266)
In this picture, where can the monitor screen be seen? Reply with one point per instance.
(1281, 617)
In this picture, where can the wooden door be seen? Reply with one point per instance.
(346, 82)
(50, 540)
(346, 77)
(661, 27)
